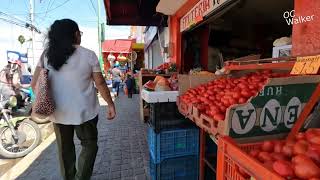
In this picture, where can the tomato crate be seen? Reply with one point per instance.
(171, 143)
(270, 113)
(185, 109)
(231, 157)
(186, 168)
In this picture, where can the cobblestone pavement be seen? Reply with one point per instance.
(123, 151)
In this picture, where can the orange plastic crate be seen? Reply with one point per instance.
(185, 109)
(232, 156)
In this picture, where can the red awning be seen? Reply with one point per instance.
(117, 46)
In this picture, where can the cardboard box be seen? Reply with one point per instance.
(190, 81)
(272, 113)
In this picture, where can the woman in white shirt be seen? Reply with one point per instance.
(74, 72)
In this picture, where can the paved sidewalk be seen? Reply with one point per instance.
(123, 150)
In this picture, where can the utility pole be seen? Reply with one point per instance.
(99, 37)
(32, 30)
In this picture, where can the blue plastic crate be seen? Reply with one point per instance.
(181, 168)
(173, 143)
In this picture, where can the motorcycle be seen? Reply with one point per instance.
(28, 98)
(18, 134)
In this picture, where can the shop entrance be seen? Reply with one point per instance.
(248, 28)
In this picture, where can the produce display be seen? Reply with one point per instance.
(291, 159)
(214, 98)
(171, 67)
(199, 72)
(162, 84)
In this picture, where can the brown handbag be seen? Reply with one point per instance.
(44, 104)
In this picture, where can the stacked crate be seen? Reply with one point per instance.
(173, 144)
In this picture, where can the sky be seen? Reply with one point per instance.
(84, 12)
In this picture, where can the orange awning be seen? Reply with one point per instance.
(117, 46)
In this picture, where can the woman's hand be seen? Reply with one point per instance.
(111, 112)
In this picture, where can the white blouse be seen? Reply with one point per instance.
(73, 88)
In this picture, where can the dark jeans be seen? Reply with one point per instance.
(88, 135)
(116, 86)
(130, 92)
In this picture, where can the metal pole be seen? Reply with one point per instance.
(99, 37)
(32, 30)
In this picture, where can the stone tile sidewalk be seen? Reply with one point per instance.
(123, 151)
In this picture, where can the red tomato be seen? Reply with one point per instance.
(278, 146)
(315, 147)
(290, 142)
(267, 146)
(243, 85)
(283, 168)
(232, 101)
(236, 95)
(278, 156)
(252, 87)
(219, 117)
(305, 168)
(223, 109)
(300, 148)
(287, 150)
(245, 93)
(312, 132)
(314, 155)
(315, 139)
(300, 136)
(254, 153)
(268, 165)
(242, 100)
(264, 156)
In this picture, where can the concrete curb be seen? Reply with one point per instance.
(24, 163)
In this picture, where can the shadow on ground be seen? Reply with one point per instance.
(123, 150)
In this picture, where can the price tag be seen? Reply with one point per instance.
(306, 65)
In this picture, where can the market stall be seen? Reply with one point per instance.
(117, 50)
(266, 83)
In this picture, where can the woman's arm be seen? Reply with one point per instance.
(35, 78)
(105, 93)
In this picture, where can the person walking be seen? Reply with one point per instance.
(116, 78)
(74, 74)
(130, 85)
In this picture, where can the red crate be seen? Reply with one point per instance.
(231, 157)
(184, 109)
(208, 124)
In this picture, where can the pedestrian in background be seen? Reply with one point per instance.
(74, 71)
(116, 78)
(130, 84)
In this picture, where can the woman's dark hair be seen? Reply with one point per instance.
(61, 42)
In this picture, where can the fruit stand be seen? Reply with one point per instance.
(279, 103)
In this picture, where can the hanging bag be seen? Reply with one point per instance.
(44, 105)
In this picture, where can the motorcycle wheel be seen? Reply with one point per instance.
(11, 149)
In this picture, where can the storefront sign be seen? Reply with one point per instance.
(306, 65)
(200, 10)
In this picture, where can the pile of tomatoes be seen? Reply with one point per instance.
(215, 97)
(292, 159)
